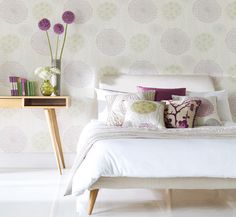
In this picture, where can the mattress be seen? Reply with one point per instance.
(156, 158)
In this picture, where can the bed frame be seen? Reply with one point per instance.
(128, 83)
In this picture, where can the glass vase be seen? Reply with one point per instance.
(46, 88)
(56, 79)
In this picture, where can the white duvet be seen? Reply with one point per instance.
(146, 158)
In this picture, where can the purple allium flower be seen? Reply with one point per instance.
(68, 17)
(183, 124)
(58, 28)
(44, 24)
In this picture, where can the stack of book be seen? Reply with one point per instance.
(21, 86)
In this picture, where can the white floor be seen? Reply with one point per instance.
(39, 193)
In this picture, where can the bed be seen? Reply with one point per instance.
(177, 159)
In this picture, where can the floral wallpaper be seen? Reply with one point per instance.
(110, 37)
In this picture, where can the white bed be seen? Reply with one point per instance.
(168, 163)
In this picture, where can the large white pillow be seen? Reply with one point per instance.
(102, 104)
(222, 102)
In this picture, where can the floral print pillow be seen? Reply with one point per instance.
(181, 114)
(207, 114)
(144, 114)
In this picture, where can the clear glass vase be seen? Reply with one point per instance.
(56, 79)
(46, 88)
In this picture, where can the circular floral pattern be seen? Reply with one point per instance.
(40, 44)
(82, 9)
(78, 74)
(107, 10)
(175, 41)
(142, 11)
(9, 43)
(212, 122)
(41, 10)
(13, 11)
(11, 68)
(171, 10)
(206, 108)
(139, 42)
(231, 40)
(75, 42)
(110, 42)
(108, 70)
(231, 10)
(142, 68)
(173, 69)
(207, 11)
(13, 140)
(208, 67)
(143, 107)
(71, 137)
(204, 42)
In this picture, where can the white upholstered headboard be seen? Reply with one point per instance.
(128, 83)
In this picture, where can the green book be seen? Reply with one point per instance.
(28, 93)
(19, 86)
(32, 88)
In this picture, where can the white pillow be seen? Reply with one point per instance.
(144, 114)
(116, 108)
(102, 105)
(222, 102)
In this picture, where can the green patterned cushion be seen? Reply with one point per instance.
(144, 113)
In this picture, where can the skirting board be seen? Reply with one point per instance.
(33, 160)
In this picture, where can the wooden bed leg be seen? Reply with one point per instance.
(169, 198)
(92, 200)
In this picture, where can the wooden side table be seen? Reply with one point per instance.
(49, 104)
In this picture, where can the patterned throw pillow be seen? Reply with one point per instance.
(147, 94)
(144, 114)
(116, 108)
(181, 114)
(207, 114)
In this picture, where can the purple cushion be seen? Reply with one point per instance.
(164, 93)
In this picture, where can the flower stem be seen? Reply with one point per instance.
(50, 47)
(57, 47)
(64, 40)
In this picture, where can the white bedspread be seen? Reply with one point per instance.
(146, 158)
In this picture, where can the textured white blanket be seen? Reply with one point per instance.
(96, 131)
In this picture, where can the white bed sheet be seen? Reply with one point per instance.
(153, 158)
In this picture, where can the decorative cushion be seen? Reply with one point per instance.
(222, 102)
(181, 114)
(207, 114)
(101, 100)
(116, 108)
(144, 113)
(147, 94)
(163, 94)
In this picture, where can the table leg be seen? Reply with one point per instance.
(58, 137)
(50, 120)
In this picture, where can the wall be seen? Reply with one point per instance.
(110, 36)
